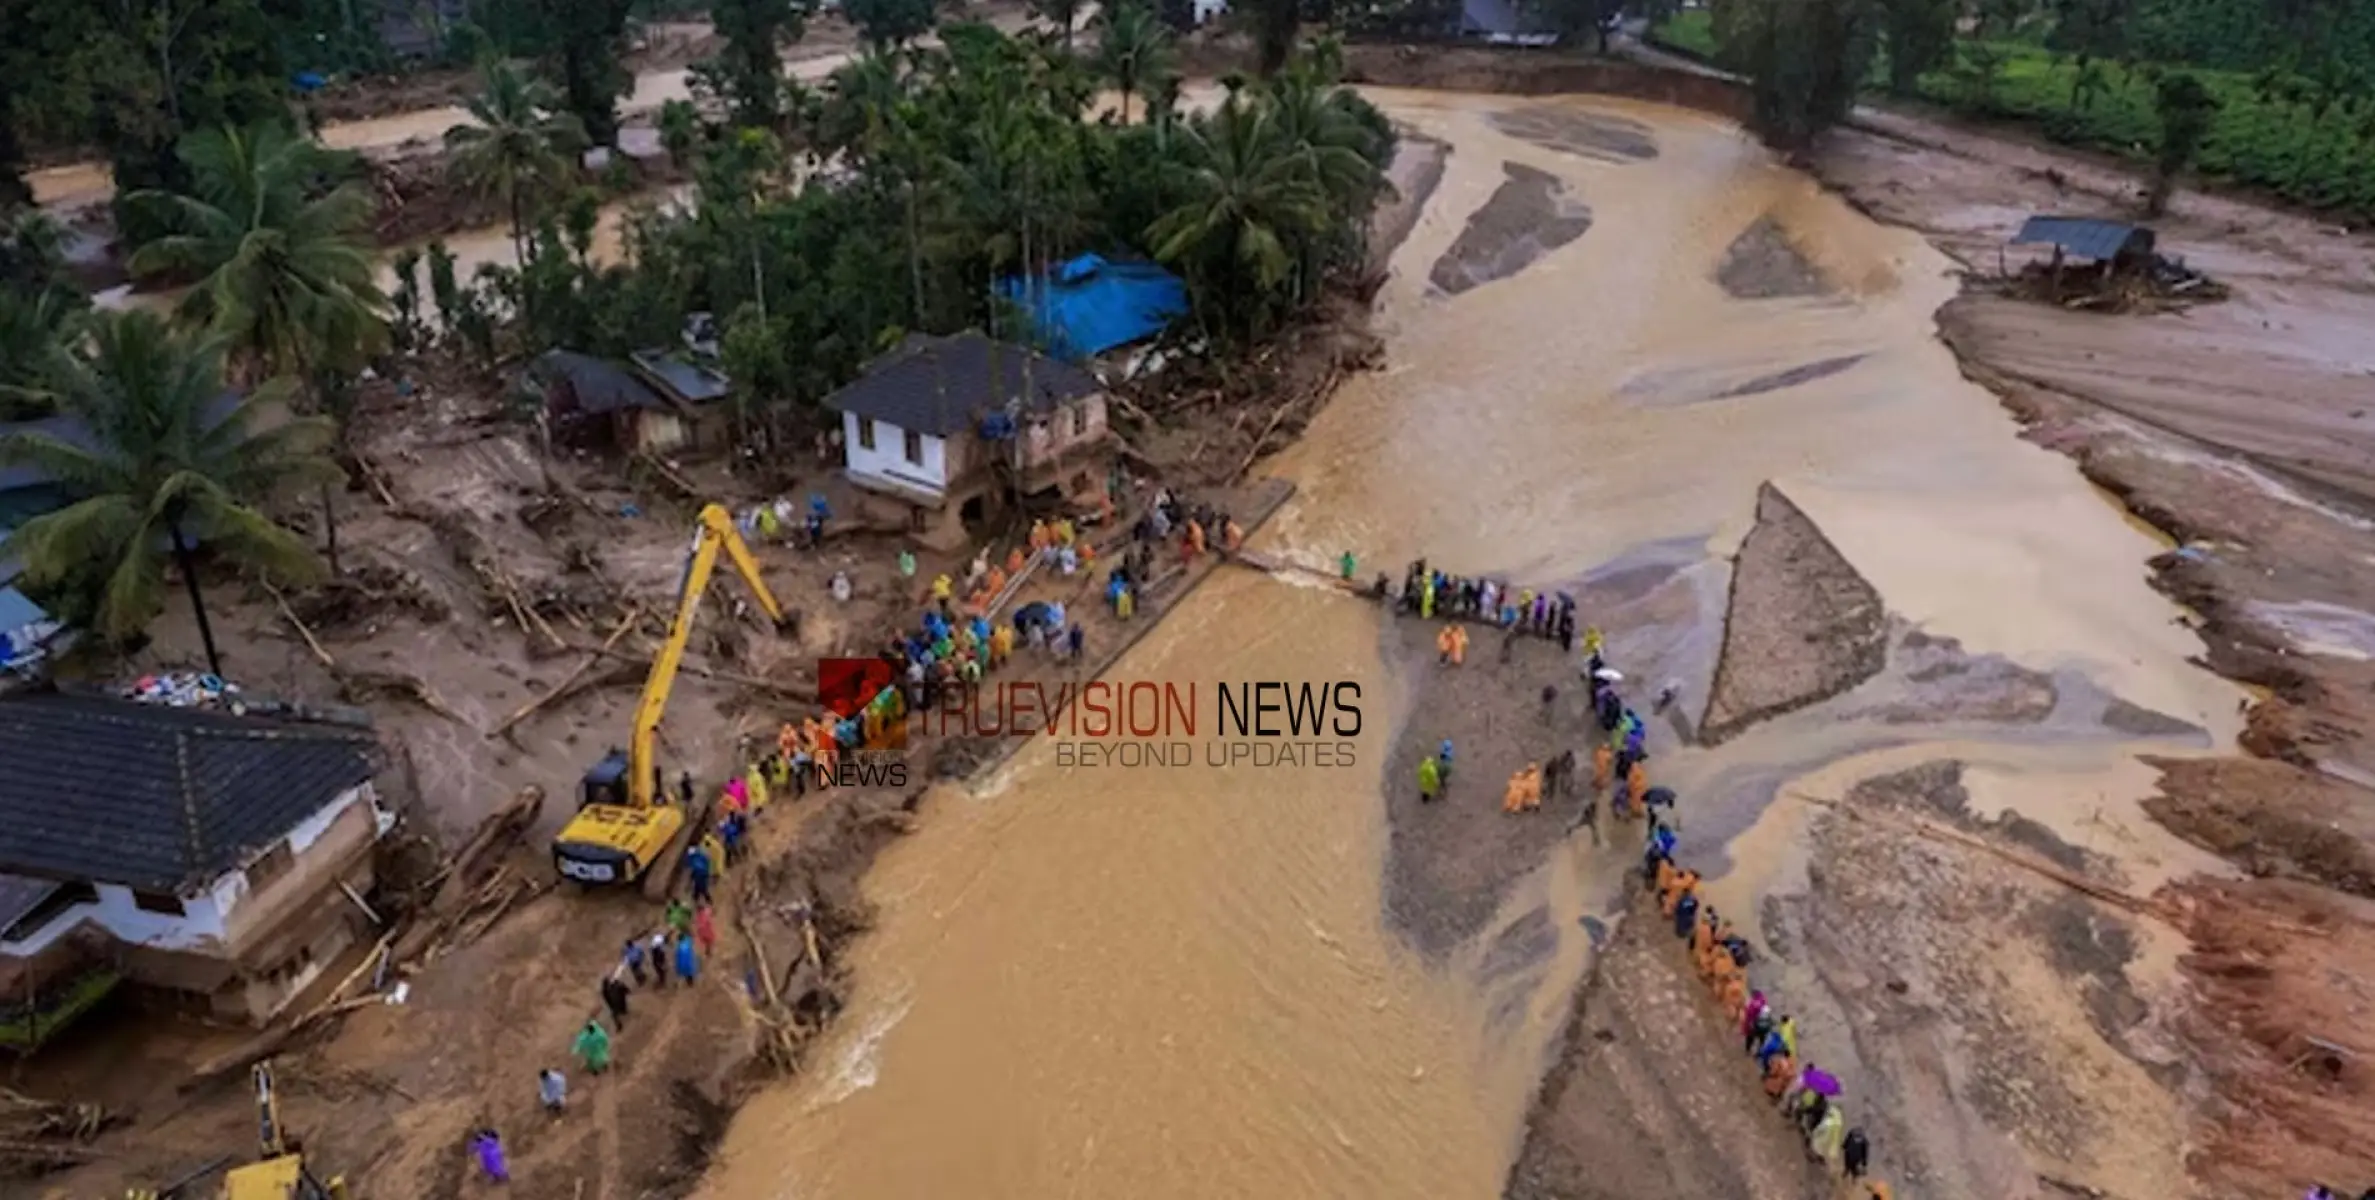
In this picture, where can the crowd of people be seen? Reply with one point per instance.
(1806, 1095)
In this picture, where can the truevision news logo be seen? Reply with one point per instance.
(1122, 723)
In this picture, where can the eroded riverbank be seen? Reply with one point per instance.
(1184, 984)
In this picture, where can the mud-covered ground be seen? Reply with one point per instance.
(2239, 430)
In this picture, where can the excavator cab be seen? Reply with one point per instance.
(606, 782)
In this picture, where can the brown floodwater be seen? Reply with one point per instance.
(1179, 982)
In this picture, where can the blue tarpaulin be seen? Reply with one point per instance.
(1091, 305)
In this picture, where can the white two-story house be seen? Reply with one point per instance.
(952, 428)
(217, 859)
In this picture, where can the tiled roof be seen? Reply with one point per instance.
(940, 386)
(153, 797)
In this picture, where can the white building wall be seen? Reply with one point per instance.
(205, 913)
(888, 459)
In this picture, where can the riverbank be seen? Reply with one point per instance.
(2234, 432)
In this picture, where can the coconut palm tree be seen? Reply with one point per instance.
(520, 137)
(1249, 196)
(286, 272)
(285, 267)
(1133, 49)
(172, 462)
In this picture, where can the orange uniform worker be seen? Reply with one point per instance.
(1603, 767)
(1685, 882)
(1636, 786)
(1452, 644)
(1778, 1074)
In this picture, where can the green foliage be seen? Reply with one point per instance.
(1804, 60)
(39, 309)
(517, 145)
(1690, 31)
(1133, 50)
(1919, 36)
(167, 466)
(586, 37)
(889, 23)
(2268, 141)
(279, 242)
(2185, 109)
(748, 74)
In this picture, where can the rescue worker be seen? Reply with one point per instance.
(1684, 883)
(1443, 759)
(1513, 799)
(1823, 1142)
(688, 966)
(1787, 1030)
(1731, 988)
(593, 1047)
(1346, 565)
(1603, 766)
(1430, 780)
(1855, 1154)
(1750, 1015)
(705, 929)
(1533, 786)
(1778, 1070)
(1426, 599)
(614, 998)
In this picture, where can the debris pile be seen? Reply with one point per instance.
(40, 1136)
(2158, 283)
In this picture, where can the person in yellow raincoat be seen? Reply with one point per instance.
(1126, 603)
(1452, 644)
(1001, 645)
(943, 587)
(756, 781)
(1039, 536)
(1065, 533)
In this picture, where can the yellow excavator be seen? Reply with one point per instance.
(624, 824)
(279, 1172)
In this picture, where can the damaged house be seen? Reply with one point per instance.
(948, 430)
(216, 860)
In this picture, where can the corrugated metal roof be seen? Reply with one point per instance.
(20, 895)
(2086, 237)
(691, 382)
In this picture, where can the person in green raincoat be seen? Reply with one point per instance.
(593, 1047)
(906, 565)
(1430, 779)
(680, 914)
(1347, 565)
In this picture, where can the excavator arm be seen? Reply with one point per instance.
(716, 532)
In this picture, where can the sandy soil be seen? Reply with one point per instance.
(1531, 214)
(1647, 1098)
(1604, 136)
(1818, 629)
(2000, 1043)
(1761, 264)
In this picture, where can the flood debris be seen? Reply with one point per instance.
(2116, 269)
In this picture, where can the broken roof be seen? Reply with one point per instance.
(2086, 237)
(940, 386)
(153, 797)
(601, 387)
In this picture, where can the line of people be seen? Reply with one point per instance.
(1427, 593)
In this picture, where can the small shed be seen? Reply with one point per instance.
(655, 403)
(1092, 304)
(2089, 238)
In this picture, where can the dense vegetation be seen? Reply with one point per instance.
(134, 77)
(2281, 93)
(823, 227)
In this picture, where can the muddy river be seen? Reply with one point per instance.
(1098, 982)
